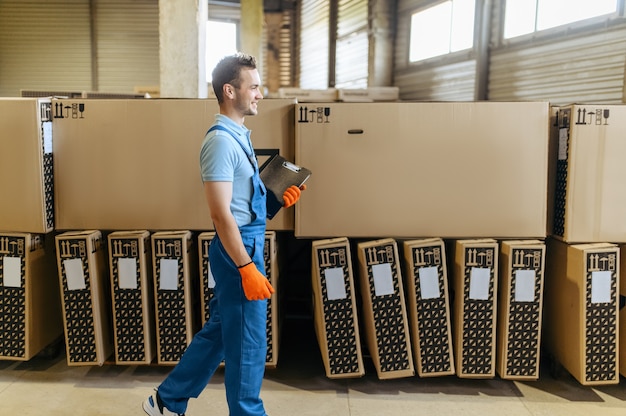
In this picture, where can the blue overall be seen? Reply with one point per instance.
(235, 332)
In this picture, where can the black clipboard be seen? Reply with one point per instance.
(278, 174)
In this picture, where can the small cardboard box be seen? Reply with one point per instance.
(26, 178)
(334, 308)
(429, 306)
(30, 307)
(475, 307)
(588, 173)
(173, 254)
(466, 165)
(271, 270)
(85, 295)
(385, 319)
(581, 306)
(130, 270)
(369, 94)
(522, 264)
(304, 95)
(147, 173)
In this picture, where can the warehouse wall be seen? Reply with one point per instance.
(563, 65)
(78, 45)
(113, 46)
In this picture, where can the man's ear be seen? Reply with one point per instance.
(228, 90)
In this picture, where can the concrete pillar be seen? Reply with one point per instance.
(381, 43)
(182, 49)
(251, 30)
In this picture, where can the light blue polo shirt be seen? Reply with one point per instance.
(222, 159)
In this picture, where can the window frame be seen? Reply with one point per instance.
(450, 57)
(558, 32)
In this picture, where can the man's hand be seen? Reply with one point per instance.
(255, 285)
(292, 195)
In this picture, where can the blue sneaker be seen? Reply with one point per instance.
(153, 406)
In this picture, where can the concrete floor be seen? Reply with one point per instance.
(298, 386)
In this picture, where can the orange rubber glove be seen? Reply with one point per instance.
(292, 194)
(255, 285)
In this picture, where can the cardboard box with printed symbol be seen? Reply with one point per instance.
(587, 173)
(581, 304)
(85, 296)
(334, 308)
(429, 306)
(520, 306)
(384, 311)
(30, 307)
(475, 307)
(132, 297)
(26, 172)
(147, 173)
(175, 287)
(474, 169)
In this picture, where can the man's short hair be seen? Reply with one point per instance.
(227, 71)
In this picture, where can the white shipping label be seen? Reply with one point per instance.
(524, 285)
(211, 282)
(601, 287)
(562, 152)
(335, 285)
(479, 283)
(47, 137)
(383, 279)
(169, 274)
(429, 282)
(127, 267)
(12, 271)
(74, 274)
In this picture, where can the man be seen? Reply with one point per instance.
(235, 331)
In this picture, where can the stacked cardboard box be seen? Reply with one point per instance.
(132, 296)
(581, 309)
(622, 311)
(384, 311)
(271, 270)
(466, 165)
(26, 166)
(85, 295)
(475, 307)
(30, 307)
(429, 306)
(147, 173)
(173, 254)
(335, 312)
(520, 309)
(587, 194)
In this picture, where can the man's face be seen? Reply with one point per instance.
(249, 93)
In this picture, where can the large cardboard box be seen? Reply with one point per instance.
(175, 289)
(423, 169)
(207, 286)
(429, 306)
(26, 165)
(588, 195)
(135, 164)
(475, 307)
(384, 310)
(30, 307)
(522, 265)
(334, 308)
(581, 305)
(85, 295)
(130, 268)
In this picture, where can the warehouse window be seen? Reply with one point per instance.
(221, 40)
(523, 16)
(442, 29)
